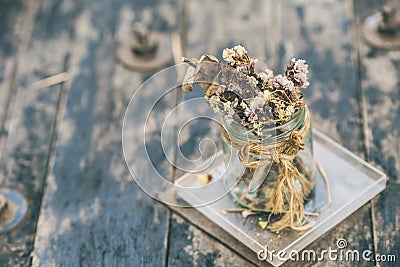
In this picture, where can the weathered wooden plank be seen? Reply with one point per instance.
(213, 26)
(379, 72)
(198, 220)
(321, 33)
(9, 13)
(92, 214)
(31, 114)
(13, 15)
(191, 247)
(326, 41)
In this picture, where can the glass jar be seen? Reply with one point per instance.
(239, 173)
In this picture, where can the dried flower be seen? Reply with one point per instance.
(213, 102)
(289, 111)
(229, 55)
(297, 72)
(281, 82)
(227, 106)
(253, 81)
(240, 51)
(270, 73)
(252, 99)
(237, 57)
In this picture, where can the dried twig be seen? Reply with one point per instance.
(325, 177)
(50, 81)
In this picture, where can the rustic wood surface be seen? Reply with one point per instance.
(30, 115)
(61, 146)
(380, 92)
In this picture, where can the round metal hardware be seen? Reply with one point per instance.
(13, 208)
(382, 29)
(148, 51)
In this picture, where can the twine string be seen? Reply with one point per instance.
(286, 198)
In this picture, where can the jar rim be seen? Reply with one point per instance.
(271, 135)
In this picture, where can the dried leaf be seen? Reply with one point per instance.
(247, 213)
(188, 80)
(263, 224)
(209, 58)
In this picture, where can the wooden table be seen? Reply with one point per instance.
(61, 145)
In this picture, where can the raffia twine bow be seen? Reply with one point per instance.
(287, 198)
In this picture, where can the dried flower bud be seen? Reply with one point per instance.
(281, 82)
(214, 102)
(228, 55)
(237, 57)
(240, 51)
(297, 72)
(289, 111)
(253, 81)
(270, 73)
(266, 76)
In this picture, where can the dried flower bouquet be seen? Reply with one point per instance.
(258, 102)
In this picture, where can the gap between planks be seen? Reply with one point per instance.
(179, 46)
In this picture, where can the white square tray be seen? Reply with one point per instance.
(353, 182)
